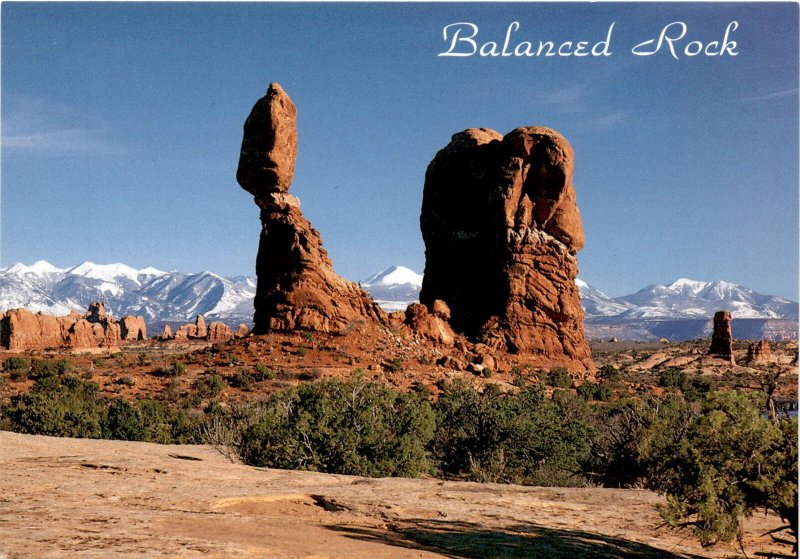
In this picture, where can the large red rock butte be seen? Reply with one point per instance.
(501, 230)
(297, 288)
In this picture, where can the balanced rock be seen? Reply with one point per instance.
(759, 352)
(501, 230)
(722, 337)
(297, 288)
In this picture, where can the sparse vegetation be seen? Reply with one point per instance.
(210, 386)
(351, 427)
(558, 377)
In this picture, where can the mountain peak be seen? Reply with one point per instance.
(394, 275)
(104, 272)
(683, 284)
(39, 268)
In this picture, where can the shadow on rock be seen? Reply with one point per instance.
(464, 540)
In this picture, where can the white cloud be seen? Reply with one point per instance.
(35, 126)
(771, 96)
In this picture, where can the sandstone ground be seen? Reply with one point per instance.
(90, 498)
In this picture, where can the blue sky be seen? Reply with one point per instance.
(121, 127)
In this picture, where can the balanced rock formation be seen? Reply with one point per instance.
(297, 287)
(722, 337)
(759, 352)
(21, 329)
(501, 230)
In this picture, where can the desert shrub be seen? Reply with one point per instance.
(60, 406)
(313, 374)
(672, 378)
(603, 392)
(241, 379)
(632, 436)
(558, 377)
(395, 365)
(210, 386)
(608, 372)
(521, 438)
(592, 391)
(587, 390)
(41, 368)
(731, 461)
(15, 364)
(263, 372)
(693, 387)
(350, 427)
(122, 422)
(177, 369)
(696, 387)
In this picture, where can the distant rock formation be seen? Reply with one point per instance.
(297, 287)
(166, 334)
(133, 328)
(199, 331)
(20, 329)
(219, 332)
(501, 230)
(192, 331)
(722, 337)
(759, 352)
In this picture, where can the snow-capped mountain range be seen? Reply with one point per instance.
(686, 298)
(151, 293)
(161, 296)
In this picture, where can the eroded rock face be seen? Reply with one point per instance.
(501, 230)
(722, 337)
(297, 287)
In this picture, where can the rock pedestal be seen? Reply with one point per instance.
(722, 337)
(501, 230)
(297, 287)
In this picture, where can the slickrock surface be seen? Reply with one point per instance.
(297, 287)
(501, 230)
(63, 498)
